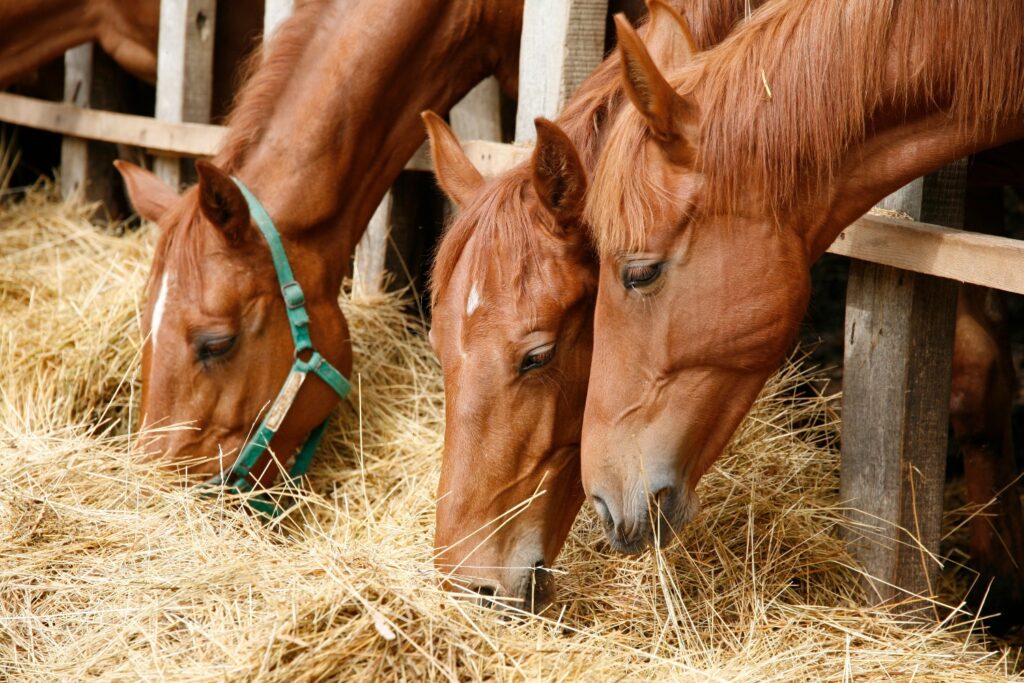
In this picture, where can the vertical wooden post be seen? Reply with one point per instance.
(91, 79)
(184, 89)
(563, 41)
(275, 12)
(896, 384)
(372, 250)
(478, 115)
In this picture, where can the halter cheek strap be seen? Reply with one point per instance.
(237, 478)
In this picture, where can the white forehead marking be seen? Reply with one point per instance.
(473, 301)
(158, 311)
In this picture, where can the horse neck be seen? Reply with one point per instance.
(890, 159)
(875, 96)
(348, 116)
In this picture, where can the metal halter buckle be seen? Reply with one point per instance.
(293, 296)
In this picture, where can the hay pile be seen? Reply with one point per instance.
(110, 571)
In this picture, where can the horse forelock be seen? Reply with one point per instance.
(500, 223)
(179, 247)
(788, 94)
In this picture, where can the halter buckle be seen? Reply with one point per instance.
(293, 296)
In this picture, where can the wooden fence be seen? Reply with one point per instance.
(901, 294)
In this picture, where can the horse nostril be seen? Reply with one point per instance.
(602, 511)
(485, 591)
(663, 495)
(539, 564)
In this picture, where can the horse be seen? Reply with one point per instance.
(323, 126)
(512, 291)
(37, 32)
(721, 185)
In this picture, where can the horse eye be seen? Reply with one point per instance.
(537, 358)
(215, 347)
(637, 275)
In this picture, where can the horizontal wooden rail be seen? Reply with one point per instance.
(988, 260)
(194, 139)
(183, 139)
(955, 254)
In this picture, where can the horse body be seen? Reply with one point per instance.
(34, 32)
(513, 288)
(322, 128)
(721, 186)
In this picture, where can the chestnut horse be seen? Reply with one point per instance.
(513, 288)
(322, 128)
(724, 182)
(34, 32)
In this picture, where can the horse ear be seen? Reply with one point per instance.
(668, 37)
(150, 195)
(558, 175)
(222, 203)
(454, 171)
(669, 115)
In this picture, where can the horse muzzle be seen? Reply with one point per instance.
(652, 519)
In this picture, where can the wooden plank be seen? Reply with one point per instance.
(563, 41)
(181, 139)
(371, 252)
(91, 79)
(478, 115)
(490, 158)
(184, 86)
(274, 14)
(197, 139)
(74, 152)
(988, 260)
(896, 380)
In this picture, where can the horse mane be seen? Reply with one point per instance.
(265, 74)
(788, 94)
(501, 211)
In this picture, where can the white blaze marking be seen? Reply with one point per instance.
(158, 311)
(473, 302)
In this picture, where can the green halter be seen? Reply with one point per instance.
(236, 478)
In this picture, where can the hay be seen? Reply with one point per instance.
(109, 570)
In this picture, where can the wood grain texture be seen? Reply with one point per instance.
(168, 138)
(197, 139)
(988, 260)
(371, 252)
(91, 79)
(563, 41)
(896, 380)
(184, 86)
(478, 115)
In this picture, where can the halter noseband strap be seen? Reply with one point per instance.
(237, 476)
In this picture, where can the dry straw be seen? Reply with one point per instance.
(109, 570)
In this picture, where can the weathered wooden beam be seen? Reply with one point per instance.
(371, 252)
(478, 115)
(896, 383)
(91, 79)
(563, 41)
(197, 139)
(184, 85)
(988, 260)
(166, 138)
